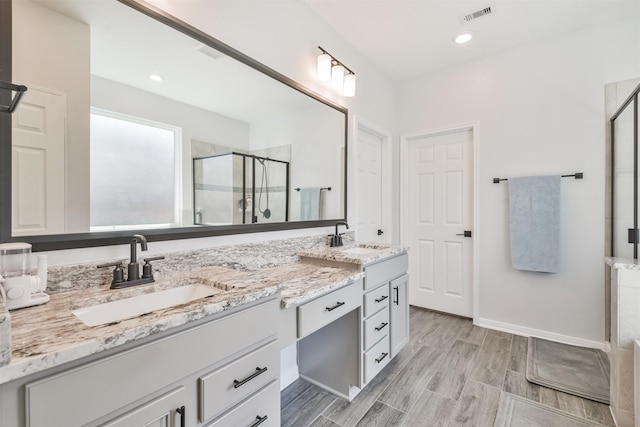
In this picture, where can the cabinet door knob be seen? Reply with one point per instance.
(240, 383)
(382, 298)
(260, 420)
(381, 327)
(382, 356)
(339, 304)
(183, 415)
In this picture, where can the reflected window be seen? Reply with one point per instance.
(134, 171)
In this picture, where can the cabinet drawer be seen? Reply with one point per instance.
(324, 310)
(266, 403)
(376, 327)
(384, 271)
(225, 387)
(106, 385)
(376, 359)
(376, 300)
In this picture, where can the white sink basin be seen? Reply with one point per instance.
(127, 308)
(359, 251)
(365, 249)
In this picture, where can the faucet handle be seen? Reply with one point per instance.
(118, 271)
(147, 268)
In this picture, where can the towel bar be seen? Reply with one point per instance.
(577, 175)
(322, 188)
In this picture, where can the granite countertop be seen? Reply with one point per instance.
(623, 263)
(49, 335)
(357, 253)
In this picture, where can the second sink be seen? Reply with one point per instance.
(127, 308)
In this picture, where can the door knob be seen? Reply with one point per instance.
(466, 233)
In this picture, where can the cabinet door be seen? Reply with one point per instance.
(159, 412)
(399, 315)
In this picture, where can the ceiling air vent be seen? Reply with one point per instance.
(475, 15)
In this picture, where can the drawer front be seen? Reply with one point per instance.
(376, 359)
(225, 387)
(384, 271)
(266, 403)
(376, 300)
(104, 386)
(376, 327)
(324, 310)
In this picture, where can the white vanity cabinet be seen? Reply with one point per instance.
(330, 340)
(399, 313)
(158, 412)
(376, 331)
(386, 313)
(225, 368)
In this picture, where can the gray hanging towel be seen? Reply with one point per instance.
(534, 213)
(310, 204)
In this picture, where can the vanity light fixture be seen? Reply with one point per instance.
(337, 77)
(331, 70)
(324, 67)
(463, 37)
(156, 77)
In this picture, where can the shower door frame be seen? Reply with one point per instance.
(633, 234)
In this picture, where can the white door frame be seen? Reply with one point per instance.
(405, 139)
(385, 199)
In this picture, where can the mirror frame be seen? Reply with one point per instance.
(80, 240)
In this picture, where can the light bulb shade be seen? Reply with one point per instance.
(349, 88)
(324, 67)
(337, 77)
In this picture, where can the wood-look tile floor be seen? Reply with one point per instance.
(450, 374)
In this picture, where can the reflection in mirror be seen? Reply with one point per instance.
(98, 145)
(226, 186)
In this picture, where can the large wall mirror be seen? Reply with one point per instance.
(136, 122)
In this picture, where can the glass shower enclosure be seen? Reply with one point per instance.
(625, 236)
(239, 188)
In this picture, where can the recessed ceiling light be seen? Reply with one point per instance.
(156, 77)
(463, 37)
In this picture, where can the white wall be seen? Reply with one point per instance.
(541, 111)
(287, 42)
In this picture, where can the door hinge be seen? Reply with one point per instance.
(380, 232)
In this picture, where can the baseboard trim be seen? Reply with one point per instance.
(288, 376)
(538, 333)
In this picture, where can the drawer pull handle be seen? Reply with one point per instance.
(382, 356)
(381, 327)
(339, 304)
(260, 420)
(397, 290)
(258, 371)
(183, 415)
(382, 299)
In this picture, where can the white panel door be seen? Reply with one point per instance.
(38, 164)
(440, 210)
(369, 186)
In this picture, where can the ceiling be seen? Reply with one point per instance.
(408, 38)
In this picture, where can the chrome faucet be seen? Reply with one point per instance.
(133, 269)
(336, 239)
